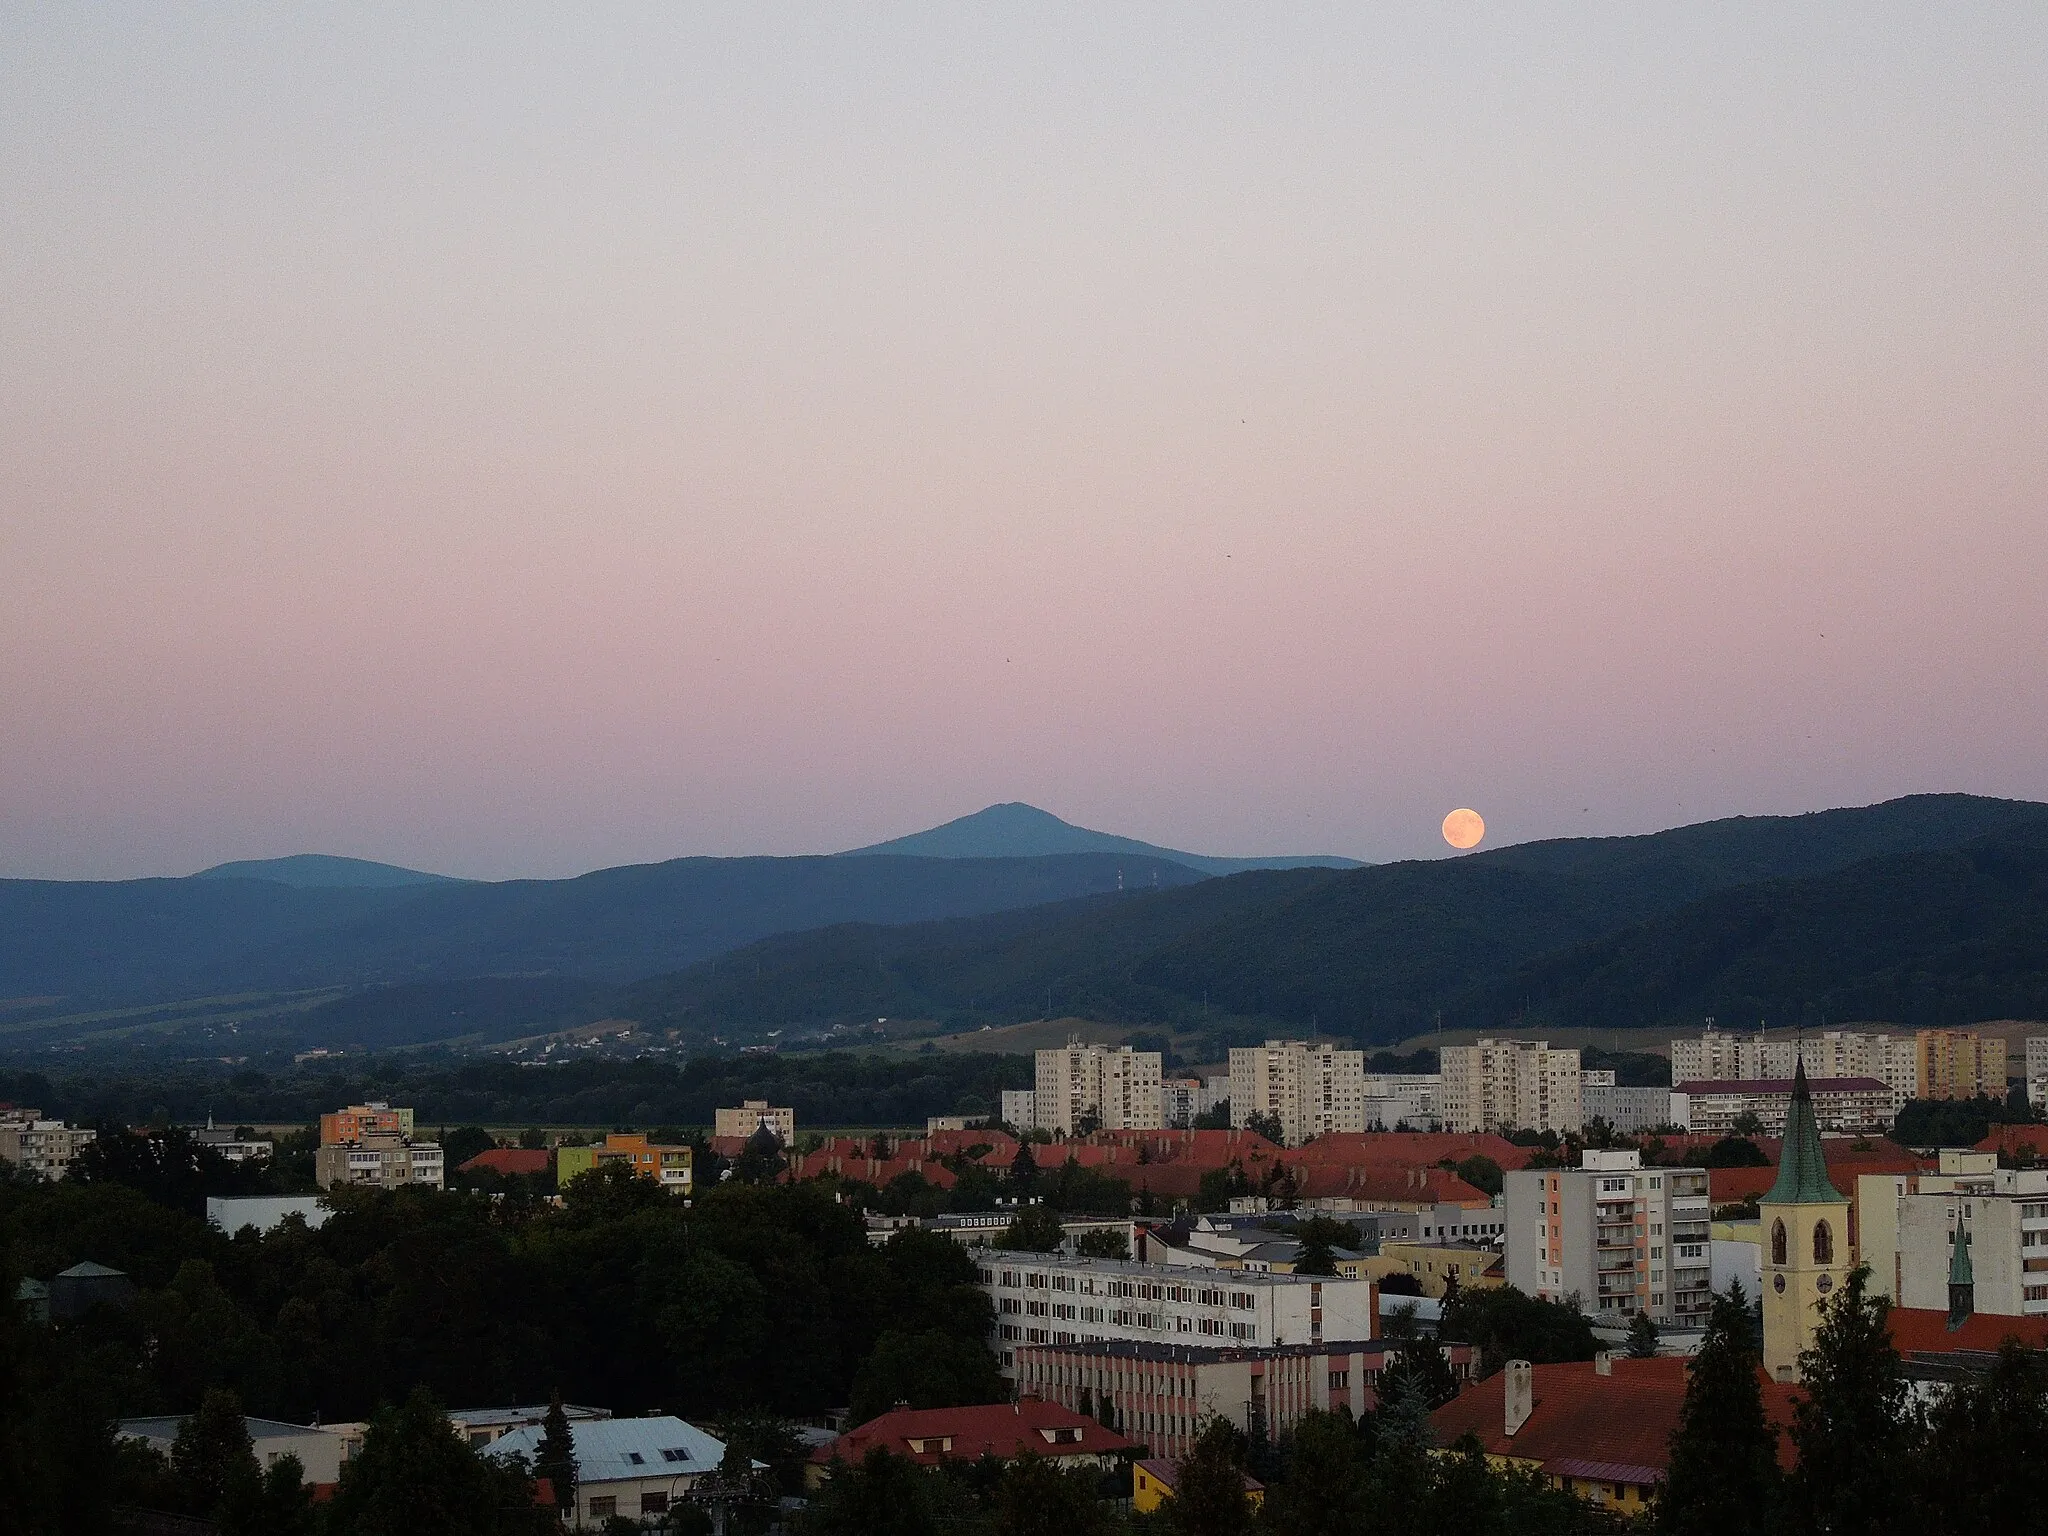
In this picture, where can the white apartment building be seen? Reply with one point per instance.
(1627, 1110)
(1020, 1109)
(1507, 1085)
(1844, 1105)
(1908, 1224)
(1114, 1085)
(1310, 1089)
(1718, 1055)
(42, 1146)
(1620, 1237)
(751, 1116)
(1054, 1299)
(1402, 1098)
(2037, 1070)
(383, 1162)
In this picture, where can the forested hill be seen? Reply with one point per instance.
(1874, 912)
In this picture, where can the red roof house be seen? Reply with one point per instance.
(510, 1160)
(929, 1436)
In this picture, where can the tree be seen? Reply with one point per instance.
(1102, 1243)
(1034, 1229)
(1735, 1152)
(761, 1161)
(1210, 1499)
(933, 1369)
(1033, 1497)
(1723, 1478)
(1642, 1337)
(212, 1457)
(1314, 1257)
(1850, 1424)
(881, 1495)
(1422, 1371)
(1320, 1491)
(1266, 1124)
(555, 1457)
(416, 1477)
(1506, 1325)
(1748, 1123)
(1482, 1173)
(1982, 1463)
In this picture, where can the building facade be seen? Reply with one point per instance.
(1909, 1225)
(2037, 1071)
(1402, 1099)
(1111, 1088)
(1718, 1055)
(1055, 1299)
(360, 1120)
(750, 1116)
(1509, 1085)
(1620, 1237)
(379, 1162)
(1626, 1110)
(670, 1167)
(1846, 1106)
(635, 1469)
(1959, 1064)
(1020, 1109)
(1311, 1090)
(40, 1146)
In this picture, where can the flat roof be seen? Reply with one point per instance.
(1170, 1274)
(1207, 1354)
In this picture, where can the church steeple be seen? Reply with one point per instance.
(1962, 1280)
(1802, 1170)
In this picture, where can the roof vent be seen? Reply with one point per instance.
(1519, 1395)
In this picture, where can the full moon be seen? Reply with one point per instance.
(1463, 828)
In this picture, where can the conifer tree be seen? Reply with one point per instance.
(555, 1456)
(1210, 1499)
(1723, 1479)
(1850, 1425)
(1984, 1463)
(1642, 1338)
(1319, 1491)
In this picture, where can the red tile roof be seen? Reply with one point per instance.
(1414, 1148)
(1923, 1331)
(2017, 1141)
(1583, 1418)
(510, 1160)
(1002, 1430)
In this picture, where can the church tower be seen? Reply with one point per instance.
(1805, 1223)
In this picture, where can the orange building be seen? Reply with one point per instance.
(1959, 1064)
(670, 1167)
(347, 1127)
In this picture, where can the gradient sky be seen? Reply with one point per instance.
(514, 441)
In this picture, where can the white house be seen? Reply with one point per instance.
(629, 1467)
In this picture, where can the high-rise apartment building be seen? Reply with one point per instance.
(359, 1120)
(1959, 1064)
(1111, 1088)
(1620, 1237)
(1719, 1056)
(2037, 1071)
(1910, 1225)
(752, 1115)
(1508, 1085)
(1311, 1090)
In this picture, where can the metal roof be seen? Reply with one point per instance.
(1802, 1169)
(614, 1450)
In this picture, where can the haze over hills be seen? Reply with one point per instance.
(323, 871)
(1015, 830)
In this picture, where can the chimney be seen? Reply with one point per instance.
(1519, 1394)
(1603, 1363)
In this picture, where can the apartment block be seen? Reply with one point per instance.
(1908, 1226)
(359, 1120)
(40, 1146)
(1112, 1088)
(1020, 1109)
(1627, 1110)
(1959, 1064)
(2037, 1070)
(1618, 1236)
(378, 1161)
(1843, 1105)
(1402, 1098)
(1506, 1085)
(670, 1167)
(750, 1116)
(1056, 1299)
(1159, 1393)
(1312, 1090)
(1718, 1055)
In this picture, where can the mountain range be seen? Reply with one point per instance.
(1018, 831)
(1928, 909)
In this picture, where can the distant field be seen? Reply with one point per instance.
(1658, 1041)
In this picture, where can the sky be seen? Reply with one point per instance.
(514, 440)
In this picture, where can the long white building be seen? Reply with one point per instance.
(1720, 1056)
(1311, 1090)
(1509, 1085)
(1049, 1298)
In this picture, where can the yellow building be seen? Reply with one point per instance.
(667, 1166)
(1153, 1482)
(1804, 1222)
(1436, 1265)
(1959, 1064)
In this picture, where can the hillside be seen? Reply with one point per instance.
(1377, 953)
(325, 871)
(155, 939)
(1018, 831)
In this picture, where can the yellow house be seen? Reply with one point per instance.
(1435, 1265)
(667, 1166)
(1152, 1484)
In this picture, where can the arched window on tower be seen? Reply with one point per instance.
(1777, 1242)
(1823, 1243)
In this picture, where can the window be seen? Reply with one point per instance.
(1778, 1242)
(1823, 1243)
(636, 1458)
(604, 1508)
(675, 1453)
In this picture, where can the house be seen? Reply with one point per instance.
(510, 1161)
(1153, 1482)
(1441, 1267)
(486, 1426)
(633, 1468)
(82, 1287)
(320, 1451)
(669, 1166)
(1600, 1428)
(1005, 1431)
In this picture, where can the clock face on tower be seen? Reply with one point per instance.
(1824, 1284)
(1778, 1284)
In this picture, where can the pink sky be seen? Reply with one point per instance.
(477, 445)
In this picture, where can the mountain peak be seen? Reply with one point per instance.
(323, 871)
(1015, 830)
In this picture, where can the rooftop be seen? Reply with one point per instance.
(1004, 1258)
(1001, 1430)
(614, 1450)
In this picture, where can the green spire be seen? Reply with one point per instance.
(1802, 1171)
(1959, 1270)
